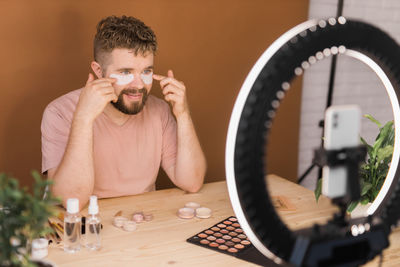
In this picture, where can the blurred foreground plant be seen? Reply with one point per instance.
(23, 217)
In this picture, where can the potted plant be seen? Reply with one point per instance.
(23, 217)
(373, 172)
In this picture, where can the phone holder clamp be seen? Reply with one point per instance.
(351, 158)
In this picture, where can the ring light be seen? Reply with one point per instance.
(253, 113)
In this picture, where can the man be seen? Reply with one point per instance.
(110, 137)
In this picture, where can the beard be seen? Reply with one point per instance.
(133, 108)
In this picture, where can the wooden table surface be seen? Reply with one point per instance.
(162, 241)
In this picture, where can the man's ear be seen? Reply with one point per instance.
(96, 69)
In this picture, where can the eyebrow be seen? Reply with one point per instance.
(129, 69)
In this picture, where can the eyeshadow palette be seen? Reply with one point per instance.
(228, 237)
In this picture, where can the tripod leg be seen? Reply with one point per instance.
(306, 173)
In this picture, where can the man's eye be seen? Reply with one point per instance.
(125, 72)
(146, 72)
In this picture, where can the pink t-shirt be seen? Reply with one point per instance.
(127, 158)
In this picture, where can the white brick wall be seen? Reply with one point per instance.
(355, 83)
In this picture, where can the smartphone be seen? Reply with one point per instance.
(341, 130)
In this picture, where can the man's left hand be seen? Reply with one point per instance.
(174, 92)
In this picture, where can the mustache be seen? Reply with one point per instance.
(133, 91)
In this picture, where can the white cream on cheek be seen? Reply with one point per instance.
(126, 79)
(122, 79)
(147, 78)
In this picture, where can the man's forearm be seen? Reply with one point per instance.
(74, 176)
(190, 162)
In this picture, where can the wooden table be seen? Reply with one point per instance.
(162, 241)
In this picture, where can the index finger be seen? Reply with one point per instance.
(102, 80)
(158, 77)
(111, 80)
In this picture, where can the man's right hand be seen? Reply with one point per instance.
(94, 97)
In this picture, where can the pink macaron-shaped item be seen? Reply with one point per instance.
(148, 217)
(138, 217)
(186, 213)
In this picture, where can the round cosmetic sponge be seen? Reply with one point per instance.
(119, 221)
(186, 213)
(129, 226)
(192, 205)
(203, 213)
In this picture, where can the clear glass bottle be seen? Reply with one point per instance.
(72, 226)
(93, 226)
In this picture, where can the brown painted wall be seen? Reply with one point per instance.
(46, 48)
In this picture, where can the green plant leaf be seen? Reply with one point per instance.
(368, 116)
(318, 189)
(352, 206)
(390, 139)
(381, 140)
(378, 144)
(369, 148)
(383, 153)
(364, 200)
(385, 131)
(365, 188)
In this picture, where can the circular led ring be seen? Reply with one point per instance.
(255, 107)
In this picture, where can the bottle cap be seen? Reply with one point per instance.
(93, 200)
(39, 248)
(73, 205)
(93, 207)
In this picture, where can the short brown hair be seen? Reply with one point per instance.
(123, 32)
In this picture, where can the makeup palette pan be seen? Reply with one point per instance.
(228, 237)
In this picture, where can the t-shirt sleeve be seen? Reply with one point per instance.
(169, 139)
(55, 129)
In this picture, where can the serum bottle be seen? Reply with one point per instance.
(93, 225)
(72, 226)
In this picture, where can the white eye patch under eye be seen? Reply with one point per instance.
(122, 79)
(147, 78)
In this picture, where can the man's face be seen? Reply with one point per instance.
(125, 65)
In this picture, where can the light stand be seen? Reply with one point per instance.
(251, 121)
(331, 85)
